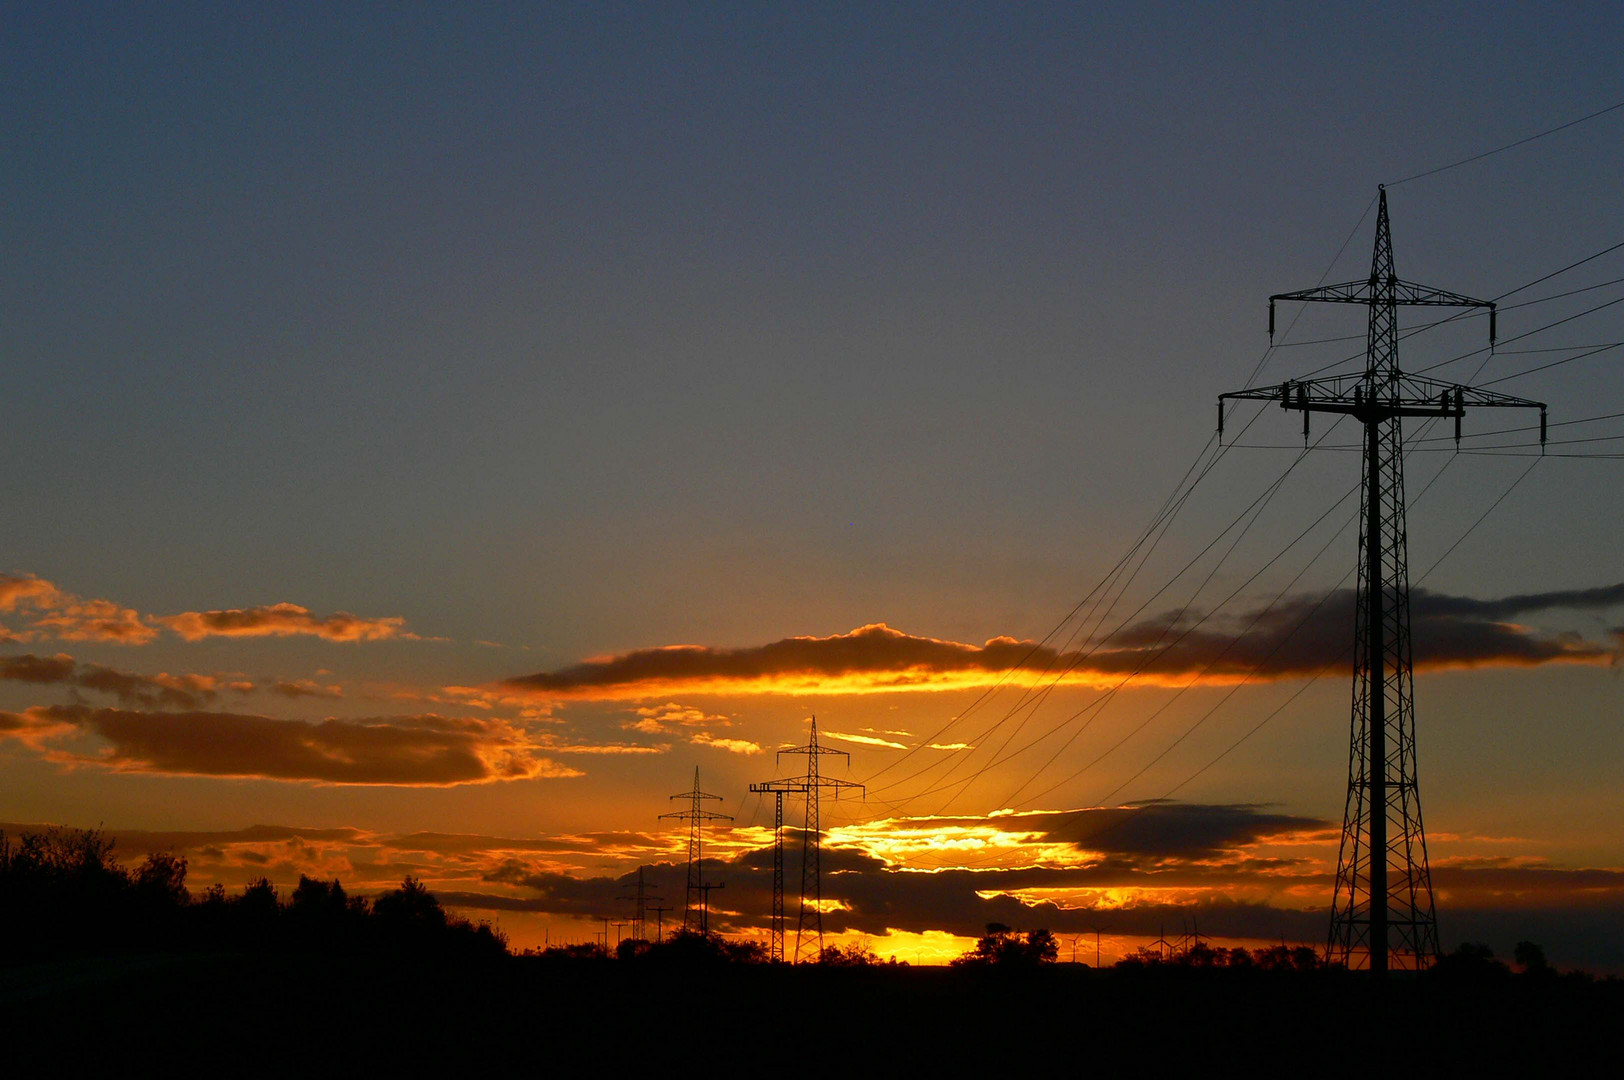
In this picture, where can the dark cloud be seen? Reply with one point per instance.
(1574, 912)
(1159, 846)
(425, 750)
(1296, 637)
(302, 688)
(875, 651)
(161, 690)
(1439, 604)
(1166, 829)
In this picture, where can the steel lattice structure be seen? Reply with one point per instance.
(777, 789)
(1382, 911)
(640, 897)
(696, 815)
(809, 928)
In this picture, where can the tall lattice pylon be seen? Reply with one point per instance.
(1382, 912)
(694, 908)
(809, 928)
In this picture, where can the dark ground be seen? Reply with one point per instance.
(236, 1014)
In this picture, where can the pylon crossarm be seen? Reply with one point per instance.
(1407, 395)
(837, 785)
(768, 786)
(702, 815)
(815, 750)
(1408, 293)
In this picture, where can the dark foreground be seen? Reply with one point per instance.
(244, 1014)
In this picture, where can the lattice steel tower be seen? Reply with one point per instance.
(809, 928)
(695, 915)
(641, 897)
(778, 789)
(1382, 912)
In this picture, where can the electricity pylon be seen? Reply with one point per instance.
(659, 921)
(1382, 912)
(640, 897)
(704, 906)
(778, 789)
(809, 928)
(696, 815)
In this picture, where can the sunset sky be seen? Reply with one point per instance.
(433, 432)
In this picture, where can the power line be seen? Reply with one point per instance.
(1099, 643)
(1262, 360)
(1519, 337)
(1411, 332)
(1507, 146)
(1335, 662)
(1104, 583)
(1552, 364)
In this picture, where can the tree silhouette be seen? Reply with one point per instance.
(1530, 957)
(66, 888)
(1005, 948)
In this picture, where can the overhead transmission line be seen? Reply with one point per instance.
(1174, 500)
(1077, 815)
(1145, 663)
(1508, 146)
(1489, 349)
(1042, 695)
(983, 735)
(998, 756)
(1162, 521)
(1151, 656)
(1257, 617)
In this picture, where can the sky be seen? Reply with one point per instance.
(434, 432)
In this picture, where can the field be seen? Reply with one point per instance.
(246, 1014)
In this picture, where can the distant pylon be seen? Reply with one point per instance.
(809, 929)
(777, 789)
(1382, 911)
(659, 921)
(693, 916)
(640, 897)
(704, 903)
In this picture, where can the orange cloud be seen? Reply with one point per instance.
(662, 719)
(60, 614)
(1296, 637)
(732, 746)
(865, 740)
(282, 620)
(416, 751)
(19, 589)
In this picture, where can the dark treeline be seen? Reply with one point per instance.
(101, 963)
(63, 893)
